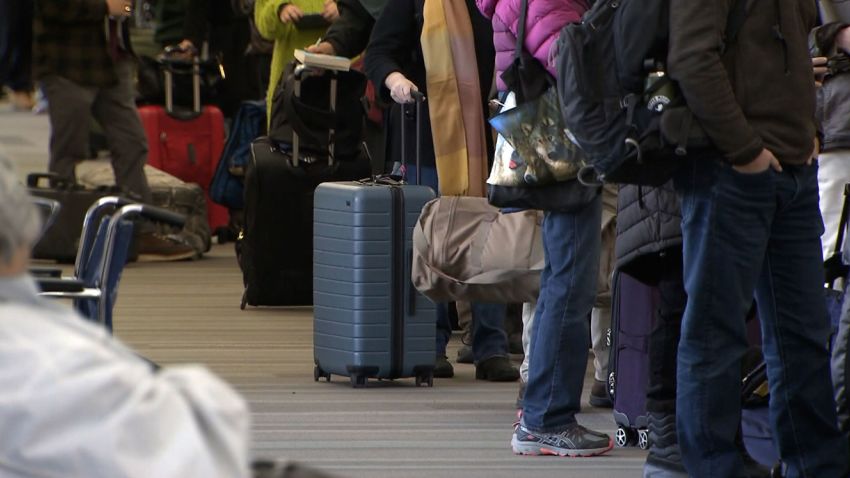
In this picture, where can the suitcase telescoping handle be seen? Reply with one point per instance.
(299, 72)
(418, 99)
(169, 67)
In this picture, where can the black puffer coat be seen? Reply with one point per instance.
(648, 222)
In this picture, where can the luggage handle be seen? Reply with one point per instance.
(418, 98)
(168, 72)
(53, 181)
(299, 72)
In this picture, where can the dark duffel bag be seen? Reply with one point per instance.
(61, 240)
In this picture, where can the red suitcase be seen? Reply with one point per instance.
(186, 144)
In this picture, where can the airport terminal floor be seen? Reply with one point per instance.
(183, 312)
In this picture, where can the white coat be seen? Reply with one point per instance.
(75, 402)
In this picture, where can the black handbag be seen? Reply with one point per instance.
(529, 80)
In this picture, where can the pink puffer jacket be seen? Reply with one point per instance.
(543, 24)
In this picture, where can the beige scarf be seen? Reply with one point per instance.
(454, 98)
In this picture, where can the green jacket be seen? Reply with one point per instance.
(70, 40)
(285, 36)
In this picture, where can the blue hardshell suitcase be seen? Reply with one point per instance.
(369, 320)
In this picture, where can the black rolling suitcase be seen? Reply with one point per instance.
(276, 245)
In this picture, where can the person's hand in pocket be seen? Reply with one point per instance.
(763, 161)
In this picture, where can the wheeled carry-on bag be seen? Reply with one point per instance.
(634, 307)
(186, 144)
(62, 238)
(274, 249)
(369, 320)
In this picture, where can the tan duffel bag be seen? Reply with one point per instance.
(465, 249)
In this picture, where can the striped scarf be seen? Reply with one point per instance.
(454, 98)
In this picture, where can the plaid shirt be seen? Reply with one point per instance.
(70, 39)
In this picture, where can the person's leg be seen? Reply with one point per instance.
(726, 224)
(490, 344)
(115, 110)
(20, 77)
(464, 321)
(600, 325)
(443, 369)
(600, 317)
(560, 338)
(833, 175)
(69, 124)
(528, 313)
(795, 331)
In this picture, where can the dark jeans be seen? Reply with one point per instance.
(664, 340)
(72, 107)
(16, 44)
(488, 330)
(747, 233)
(560, 334)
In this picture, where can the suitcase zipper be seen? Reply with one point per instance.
(398, 266)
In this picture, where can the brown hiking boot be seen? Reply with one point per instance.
(155, 247)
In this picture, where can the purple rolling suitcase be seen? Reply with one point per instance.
(634, 307)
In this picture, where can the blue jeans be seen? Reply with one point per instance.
(560, 339)
(744, 234)
(488, 331)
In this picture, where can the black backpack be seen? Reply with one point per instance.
(623, 110)
(308, 112)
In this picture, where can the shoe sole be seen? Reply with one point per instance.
(537, 450)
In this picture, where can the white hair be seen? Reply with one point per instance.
(20, 221)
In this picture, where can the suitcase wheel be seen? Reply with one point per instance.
(643, 439)
(319, 373)
(426, 379)
(359, 381)
(624, 437)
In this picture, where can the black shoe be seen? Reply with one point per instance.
(464, 355)
(599, 395)
(443, 369)
(520, 396)
(496, 369)
(664, 459)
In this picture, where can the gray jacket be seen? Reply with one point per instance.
(833, 106)
(648, 222)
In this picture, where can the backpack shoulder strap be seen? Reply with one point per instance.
(520, 30)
